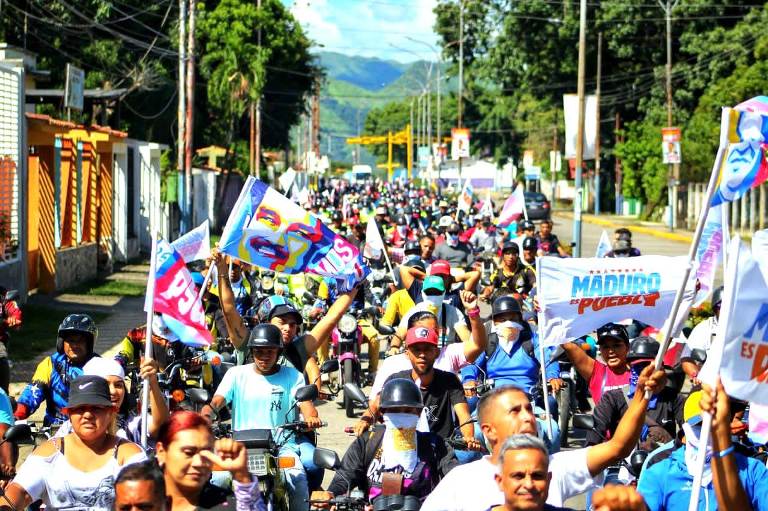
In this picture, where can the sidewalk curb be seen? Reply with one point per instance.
(674, 236)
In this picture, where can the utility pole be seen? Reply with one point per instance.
(411, 132)
(190, 124)
(617, 168)
(673, 169)
(316, 120)
(580, 132)
(181, 140)
(461, 72)
(597, 121)
(357, 147)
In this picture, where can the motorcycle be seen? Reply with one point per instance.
(346, 341)
(567, 398)
(262, 451)
(354, 500)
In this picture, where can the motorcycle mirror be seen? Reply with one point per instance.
(485, 282)
(330, 366)
(636, 461)
(198, 396)
(18, 433)
(326, 458)
(355, 393)
(226, 358)
(11, 295)
(583, 421)
(308, 297)
(306, 393)
(385, 329)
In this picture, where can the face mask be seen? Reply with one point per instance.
(692, 454)
(453, 239)
(508, 332)
(434, 300)
(399, 446)
(634, 377)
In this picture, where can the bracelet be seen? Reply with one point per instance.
(474, 313)
(725, 452)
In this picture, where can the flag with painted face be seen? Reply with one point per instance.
(514, 206)
(709, 254)
(745, 165)
(175, 297)
(196, 244)
(268, 230)
(578, 295)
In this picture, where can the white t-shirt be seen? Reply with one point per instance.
(453, 320)
(701, 337)
(451, 359)
(471, 487)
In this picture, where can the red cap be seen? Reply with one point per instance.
(440, 267)
(420, 334)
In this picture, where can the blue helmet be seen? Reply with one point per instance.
(277, 306)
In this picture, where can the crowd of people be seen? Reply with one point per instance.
(460, 414)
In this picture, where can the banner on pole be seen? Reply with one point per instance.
(576, 296)
(571, 115)
(459, 143)
(175, 297)
(514, 206)
(268, 230)
(604, 245)
(709, 254)
(374, 245)
(465, 199)
(196, 244)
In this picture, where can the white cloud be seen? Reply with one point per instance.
(370, 28)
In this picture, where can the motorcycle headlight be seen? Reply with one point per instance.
(347, 324)
(267, 283)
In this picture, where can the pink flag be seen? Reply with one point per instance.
(513, 207)
(176, 298)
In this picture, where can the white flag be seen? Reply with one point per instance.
(709, 254)
(514, 206)
(487, 209)
(465, 199)
(196, 244)
(374, 245)
(604, 245)
(576, 296)
(741, 346)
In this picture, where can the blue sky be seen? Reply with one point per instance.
(369, 27)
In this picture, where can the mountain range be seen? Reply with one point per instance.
(353, 86)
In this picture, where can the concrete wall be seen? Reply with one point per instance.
(76, 265)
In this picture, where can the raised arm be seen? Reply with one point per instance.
(238, 332)
(583, 363)
(408, 275)
(478, 340)
(601, 456)
(322, 330)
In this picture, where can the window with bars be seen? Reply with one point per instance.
(10, 175)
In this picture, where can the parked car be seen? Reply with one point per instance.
(537, 205)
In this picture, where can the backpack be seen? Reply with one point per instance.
(526, 341)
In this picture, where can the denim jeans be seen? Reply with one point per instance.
(296, 482)
(314, 473)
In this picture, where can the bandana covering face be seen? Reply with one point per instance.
(508, 332)
(453, 240)
(634, 377)
(692, 453)
(399, 443)
(434, 300)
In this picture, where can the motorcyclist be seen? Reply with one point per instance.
(530, 249)
(622, 244)
(458, 253)
(260, 394)
(513, 276)
(10, 318)
(511, 356)
(420, 459)
(74, 347)
(700, 339)
(549, 244)
(613, 344)
(413, 278)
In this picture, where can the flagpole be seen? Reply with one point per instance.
(543, 362)
(148, 339)
(721, 150)
(206, 281)
(384, 250)
(525, 210)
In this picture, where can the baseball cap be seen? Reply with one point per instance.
(527, 225)
(415, 263)
(433, 282)
(442, 204)
(89, 390)
(691, 409)
(612, 331)
(420, 335)
(440, 267)
(510, 245)
(278, 306)
(102, 366)
(445, 221)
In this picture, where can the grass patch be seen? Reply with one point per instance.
(38, 331)
(110, 288)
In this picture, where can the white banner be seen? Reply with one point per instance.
(374, 245)
(743, 351)
(571, 114)
(195, 245)
(465, 199)
(577, 296)
(709, 254)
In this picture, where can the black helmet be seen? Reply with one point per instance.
(530, 243)
(337, 216)
(612, 331)
(77, 324)
(505, 304)
(643, 347)
(412, 247)
(401, 220)
(510, 246)
(265, 335)
(527, 225)
(400, 392)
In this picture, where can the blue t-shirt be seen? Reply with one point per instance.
(6, 414)
(258, 401)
